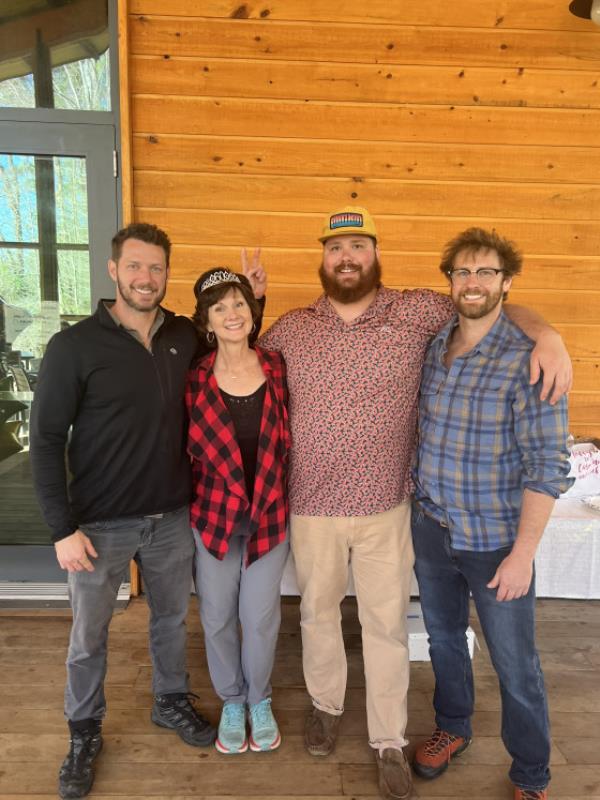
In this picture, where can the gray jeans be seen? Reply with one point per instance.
(230, 595)
(163, 548)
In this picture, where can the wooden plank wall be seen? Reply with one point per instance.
(250, 121)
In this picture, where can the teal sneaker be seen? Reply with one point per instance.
(231, 736)
(264, 733)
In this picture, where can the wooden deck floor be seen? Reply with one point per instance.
(142, 761)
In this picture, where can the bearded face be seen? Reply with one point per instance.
(474, 298)
(140, 274)
(475, 302)
(350, 269)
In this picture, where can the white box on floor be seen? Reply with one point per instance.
(418, 646)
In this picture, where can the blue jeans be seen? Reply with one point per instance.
(445, 578)
(163, 547)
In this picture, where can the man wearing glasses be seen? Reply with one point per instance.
(354, 360)
(492, 459)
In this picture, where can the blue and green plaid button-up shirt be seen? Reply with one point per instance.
(485, 436)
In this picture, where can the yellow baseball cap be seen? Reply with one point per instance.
(348, 220)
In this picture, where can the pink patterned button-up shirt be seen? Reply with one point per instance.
(353, 399)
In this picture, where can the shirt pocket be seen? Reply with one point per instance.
(430, 385)
(429, 392)
(430, 408)
(489, 396)
(486, 412)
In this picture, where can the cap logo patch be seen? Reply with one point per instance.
(346, 220)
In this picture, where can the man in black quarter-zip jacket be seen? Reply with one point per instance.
(117, 381)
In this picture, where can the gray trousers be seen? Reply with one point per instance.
(163, 548)
(231, 595)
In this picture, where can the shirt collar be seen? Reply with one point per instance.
(382, 300)
(487, 346)
(158, 320)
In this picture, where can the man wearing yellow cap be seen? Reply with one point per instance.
(354, 360)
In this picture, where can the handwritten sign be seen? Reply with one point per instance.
(585, 460)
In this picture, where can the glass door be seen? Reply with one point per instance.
(58, 212)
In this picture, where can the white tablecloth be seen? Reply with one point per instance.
(567, 561)
(568, 557)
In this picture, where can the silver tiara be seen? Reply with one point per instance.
(220, 276)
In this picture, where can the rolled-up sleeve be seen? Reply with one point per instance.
(541, 431)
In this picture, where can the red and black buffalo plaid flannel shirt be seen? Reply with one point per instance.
(220, 499)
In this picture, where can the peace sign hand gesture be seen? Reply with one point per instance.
(252, 269)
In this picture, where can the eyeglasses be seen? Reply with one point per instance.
(484, 275)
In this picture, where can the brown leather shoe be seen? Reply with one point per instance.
(433, 756)
(320, 732)
(395, 781)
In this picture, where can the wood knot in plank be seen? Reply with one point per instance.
(241, 12)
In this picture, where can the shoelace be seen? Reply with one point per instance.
(261, 713)
(439, 741)
(185, 697)
(233, 713)
(531, 794)
(82, 748)
(183, 705)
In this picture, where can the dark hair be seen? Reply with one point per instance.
(145, 232)
(474, 239)
(210, 296)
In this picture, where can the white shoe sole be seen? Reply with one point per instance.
(226, 752)
(273, 746)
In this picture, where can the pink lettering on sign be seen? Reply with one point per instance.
(585, 460)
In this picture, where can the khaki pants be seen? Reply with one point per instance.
(379, 549)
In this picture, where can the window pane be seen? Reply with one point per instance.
(44, 251)
(20, 282)
(74, 284)
(83, 85)
(27, 322)
(70, 186)
(18, 204)
(67, 42)
(44, 287)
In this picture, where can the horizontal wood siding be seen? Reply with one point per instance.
(250, 121)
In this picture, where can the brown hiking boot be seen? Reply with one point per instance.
(395, 782)
(320, 732)
(433, 756)
(530, 794)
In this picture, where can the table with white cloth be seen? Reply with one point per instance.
(567, 562)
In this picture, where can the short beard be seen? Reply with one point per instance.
(370, 279)
(128, 298)
(473, 312)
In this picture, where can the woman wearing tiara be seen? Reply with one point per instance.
(238, 442)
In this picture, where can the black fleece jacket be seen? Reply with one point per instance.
(126, 452)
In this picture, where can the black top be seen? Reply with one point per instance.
(246, 415)
(126, 452)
